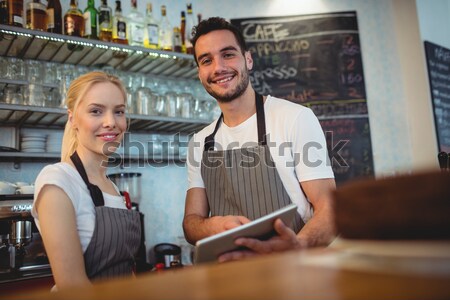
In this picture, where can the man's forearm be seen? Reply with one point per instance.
(319, 230)
(195, 228)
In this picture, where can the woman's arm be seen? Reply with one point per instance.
(59, 233)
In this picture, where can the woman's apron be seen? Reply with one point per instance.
(244, 181)
(116, 238)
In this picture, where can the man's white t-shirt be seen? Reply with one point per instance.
(295, 139)
(66, 177)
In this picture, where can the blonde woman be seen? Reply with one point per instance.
(87, 230)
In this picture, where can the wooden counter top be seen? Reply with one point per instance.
(312, 274)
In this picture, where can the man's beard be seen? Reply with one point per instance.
(233, 94)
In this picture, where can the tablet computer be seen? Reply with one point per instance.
(208, 249)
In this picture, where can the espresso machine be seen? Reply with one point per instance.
(22, 252)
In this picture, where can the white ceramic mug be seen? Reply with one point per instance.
(7, 188)
(26, 189)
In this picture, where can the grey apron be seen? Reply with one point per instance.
(244, 181)
(116, 238)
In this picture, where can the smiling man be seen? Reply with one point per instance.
(262, 154)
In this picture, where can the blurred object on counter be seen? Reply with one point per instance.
(168, 254)
(444, 161)
(406, 207)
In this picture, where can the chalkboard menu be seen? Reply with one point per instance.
(315, 60)
(438, 61)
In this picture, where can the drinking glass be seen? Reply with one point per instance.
(4, 62)
(67, 74)
(34, 95)
(13, 94)
(172, 104)
(34, 71)
(143, 98)
(51, 73)
(186, 103)
(16, 69)
(158, 105)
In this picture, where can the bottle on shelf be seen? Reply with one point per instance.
(165, 31)
(105, 22)
(177, 46)
(54, 17)
(74, 20)
(36, 15)
(15, 12)
(119, 26)
(151, 34)
(90, 21)
(183, 31)
(190, 23)
(3, 12)
(136, 26)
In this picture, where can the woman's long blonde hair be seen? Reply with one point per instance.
(75, 95)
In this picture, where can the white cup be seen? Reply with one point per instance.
(26, 189)
(7, 188)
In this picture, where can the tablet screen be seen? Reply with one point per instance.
(208, 249)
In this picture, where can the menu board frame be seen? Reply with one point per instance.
(438, 67)
(315, 60)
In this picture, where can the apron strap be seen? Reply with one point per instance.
(96, 193)
(209, 140)
(260, 118)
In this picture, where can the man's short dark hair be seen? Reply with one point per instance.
(217, 23)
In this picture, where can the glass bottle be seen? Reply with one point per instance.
(74, 20)
(90, 21)
(177, 40)
(183, 31)
(36, 14)
(165, 31)
(151, 34)
(3, 12)
(136, 25)
(54, 16)
(190, 23)
(15, 12)
(119, 34)
(105, 23)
